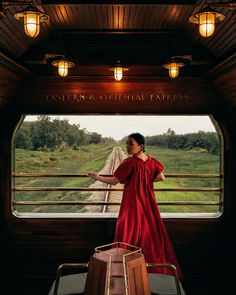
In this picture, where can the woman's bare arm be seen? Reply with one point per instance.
(160, 177)
(109, 180)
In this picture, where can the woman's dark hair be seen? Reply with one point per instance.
(139, 138)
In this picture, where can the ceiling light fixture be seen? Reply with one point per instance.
(206, 18)
(31, 15)
(173, 66)
(118, 70)
(63, 65)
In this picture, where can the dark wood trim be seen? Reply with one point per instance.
(119, 32)
(121, 2)
(75, 96)
(11, 73)
(13, 66)
(222, 67)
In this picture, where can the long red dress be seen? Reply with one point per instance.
(139, 222)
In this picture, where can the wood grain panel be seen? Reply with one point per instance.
(190, 95)
(226, 85)
(11, 74)
(102, 16)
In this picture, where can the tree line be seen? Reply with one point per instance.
(209, 141)
(46, 133)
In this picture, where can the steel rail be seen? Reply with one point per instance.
(108, 186)
(116, 158)
(67, 266)
(174, 273)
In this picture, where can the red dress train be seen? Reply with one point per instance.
(139, 222)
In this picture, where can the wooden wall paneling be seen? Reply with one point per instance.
(11, 74)
(161, 96)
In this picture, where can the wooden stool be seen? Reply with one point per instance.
(117, 269)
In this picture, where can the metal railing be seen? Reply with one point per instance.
(21, 188)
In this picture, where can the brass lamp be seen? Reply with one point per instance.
(173, 67)
(32, 17)
(63, 65)
(206, 18)
(118, 70)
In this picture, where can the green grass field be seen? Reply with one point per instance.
(187, 162)
(80, 161)
(93, 157)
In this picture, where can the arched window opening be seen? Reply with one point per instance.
(53, 154)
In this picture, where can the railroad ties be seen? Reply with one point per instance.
(111, 196)
(106, 197)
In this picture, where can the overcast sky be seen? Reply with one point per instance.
(118, 127)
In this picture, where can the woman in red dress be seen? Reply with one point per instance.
(139, 222)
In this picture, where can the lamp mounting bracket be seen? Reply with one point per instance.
(50, 57)
(4, 5)
(53, 55)
(229, 4)
(186, 56)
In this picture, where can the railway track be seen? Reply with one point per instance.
(106, 196)
(117, 158)
(98, 192)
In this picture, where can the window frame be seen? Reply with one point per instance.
(165, 215)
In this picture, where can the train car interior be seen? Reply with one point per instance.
(129, 60)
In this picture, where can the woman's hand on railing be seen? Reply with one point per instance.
(93, 175)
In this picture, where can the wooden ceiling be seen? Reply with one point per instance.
(94, 34)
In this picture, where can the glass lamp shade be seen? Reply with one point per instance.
(118, 73)
(32, 17)
(31, 24)
(206, 18)
(207, 22)
(173, 70)
(118, 70)
(63, 66)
